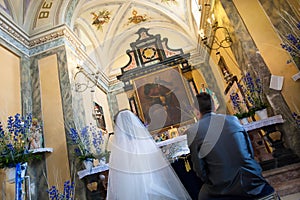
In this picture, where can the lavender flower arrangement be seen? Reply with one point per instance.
(67, 194)
(253, 92)
(88, 142)
(97, 140)
(297, 118)
(238, 106)
(14, 141)
(291, 37)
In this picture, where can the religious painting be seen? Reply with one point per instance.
(99, 116)
(103, 17)
(173, 132)
(133, 106)
(193, 87)
(136, 19)
(163, 99)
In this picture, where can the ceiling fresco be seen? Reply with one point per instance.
(107, 27)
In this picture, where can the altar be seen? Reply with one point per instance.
(177, 152)
(175, 147)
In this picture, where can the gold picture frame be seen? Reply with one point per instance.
(162, 98)
(173, 132)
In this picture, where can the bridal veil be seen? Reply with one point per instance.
(138, 168)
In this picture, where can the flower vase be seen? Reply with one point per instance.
(88, 163)
(262, 114)
(11, 173)
(244, 120)
(102, 161)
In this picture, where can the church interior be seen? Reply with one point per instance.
(68, 67)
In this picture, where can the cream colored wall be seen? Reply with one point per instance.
(198, 78)
(10, 99)
(57, 163)
(226, 53)
(10, 84)
(268, 43)
(122, 100)
(87, 96)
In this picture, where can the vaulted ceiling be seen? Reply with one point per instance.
(107, 27)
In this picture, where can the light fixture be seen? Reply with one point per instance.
(215, 43)
(85, 80)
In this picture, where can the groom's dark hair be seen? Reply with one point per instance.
(204, 103)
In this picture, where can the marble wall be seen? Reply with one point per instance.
(248, 57)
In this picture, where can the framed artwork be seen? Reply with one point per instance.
(162, 98)
(224, 69)
(99, 116)
(193, 87)
(173, 132)
(133, 106)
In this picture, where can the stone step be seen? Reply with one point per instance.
(291, 197)
(285, 180)
(288, 187)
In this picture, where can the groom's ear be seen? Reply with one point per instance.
(197, 113)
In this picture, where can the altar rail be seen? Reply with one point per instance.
(177, 146)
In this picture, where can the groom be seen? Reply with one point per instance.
(223, 158)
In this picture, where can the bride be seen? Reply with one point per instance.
(138, 169)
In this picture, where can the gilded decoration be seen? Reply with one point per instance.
(103, 17)
(170, 1)
(136, 19)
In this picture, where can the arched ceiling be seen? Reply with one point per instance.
(115, 24)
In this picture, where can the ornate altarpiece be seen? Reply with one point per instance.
(157, 82)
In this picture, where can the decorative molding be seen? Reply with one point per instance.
(37, 43)
(14, 31)
(53, 35)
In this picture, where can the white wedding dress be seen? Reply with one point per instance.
(137, 168)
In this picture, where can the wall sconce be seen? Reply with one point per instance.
(84, 80)
(215, 42)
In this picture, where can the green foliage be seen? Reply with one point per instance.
(242, 115)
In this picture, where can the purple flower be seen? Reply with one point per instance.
(14, 141)
(97, 138)
(68, 192)
(235, 101)
(74, 135)
(292, 41)
(297, 118)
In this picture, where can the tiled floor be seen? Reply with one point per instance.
(292, 197)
